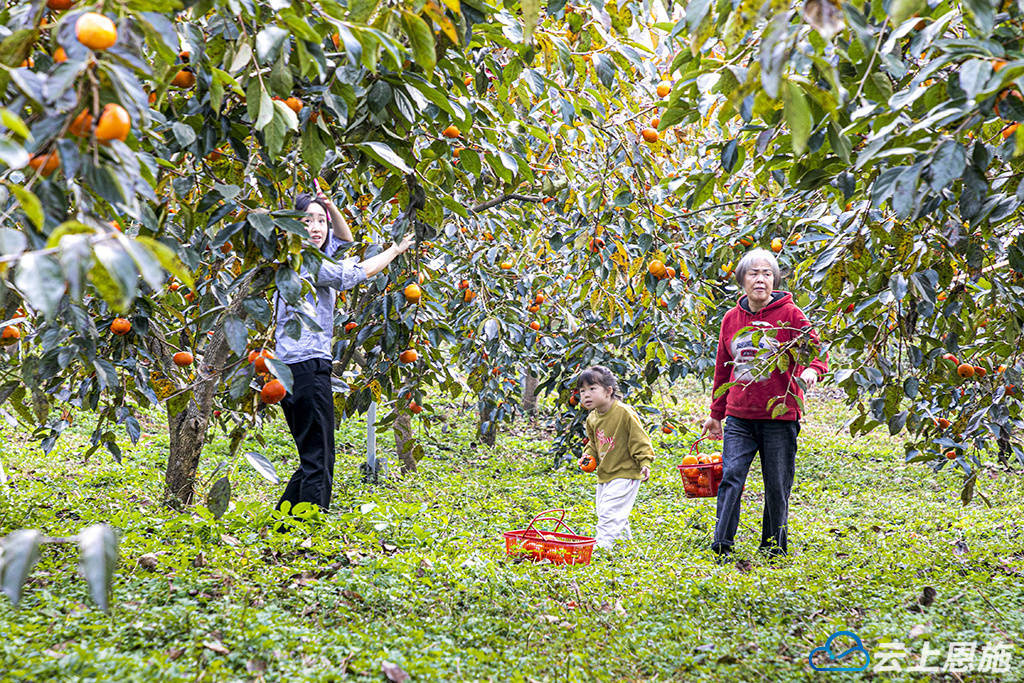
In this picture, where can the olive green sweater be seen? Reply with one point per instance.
(619, 442)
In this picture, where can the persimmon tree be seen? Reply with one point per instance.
(547, 159)
(884, 148)
(172, 237)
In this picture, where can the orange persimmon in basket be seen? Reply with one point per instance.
(688, 462)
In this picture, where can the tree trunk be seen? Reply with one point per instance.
(187, 429)
(188, 413)
(486, 429)
(405, 443)
(530, 393)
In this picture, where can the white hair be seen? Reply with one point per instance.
(750, 258)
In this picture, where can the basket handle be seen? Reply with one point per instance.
(543, 516)
(693, 448)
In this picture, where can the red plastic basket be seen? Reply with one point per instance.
(701, 480)
(554, 546)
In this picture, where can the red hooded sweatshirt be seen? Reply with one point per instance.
(736, 362)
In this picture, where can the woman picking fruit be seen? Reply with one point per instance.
(762, 407)
(621, 447)
(309, 409)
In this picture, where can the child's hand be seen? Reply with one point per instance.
(645, 473)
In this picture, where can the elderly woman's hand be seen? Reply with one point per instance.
(810, 378)
(712, 428)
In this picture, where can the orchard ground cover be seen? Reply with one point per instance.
(411, 575)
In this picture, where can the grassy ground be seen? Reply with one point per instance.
(413, 572)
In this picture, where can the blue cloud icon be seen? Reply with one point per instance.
(827, 649)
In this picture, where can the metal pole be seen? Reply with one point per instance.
(371, 441)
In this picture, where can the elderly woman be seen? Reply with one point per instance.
(761, 408)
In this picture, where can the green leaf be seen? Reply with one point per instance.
(266, 110)
(439, 98)
(469, 160)
(722, 389)
(263, 223)
(12, 153)
(282, 372)
(798, 116)
(905, 195)
(947, 164)
(385, 155)
(14, 122)
(15, 49)
(274, 135)
(29, 204)
(422, 40)
(20, 553)
(676, 111)
(216, 94)
(531, 12)
(41, 280)
(218, 497)
(269, 42)
(774, 48)
(243, 55)
(605, 68)
(967, 492)
(264, 467)
(280, 79)
(169, 259)
(782, 362)
(360, 11)
(120, 266)
(107, 287)
(159, 31)
(177, 403)
(313, 150)
(145, 261)
(97, 547)
(896, 423)
(981, 11)
(288, 117)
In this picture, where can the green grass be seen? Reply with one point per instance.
(413, 571)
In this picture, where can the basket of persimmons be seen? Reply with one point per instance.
(701, 472)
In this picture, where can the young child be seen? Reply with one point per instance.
(623, 450)
(309, 409)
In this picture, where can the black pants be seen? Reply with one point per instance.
(775, 440)
(309, 410)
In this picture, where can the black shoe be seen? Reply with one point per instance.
(772, 552)
(723, 553)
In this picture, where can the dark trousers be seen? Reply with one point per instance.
(775, 440)
(309, 410)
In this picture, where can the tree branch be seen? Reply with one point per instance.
(718, 206)
(491, 203)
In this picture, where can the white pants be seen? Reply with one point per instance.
(614, 503)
